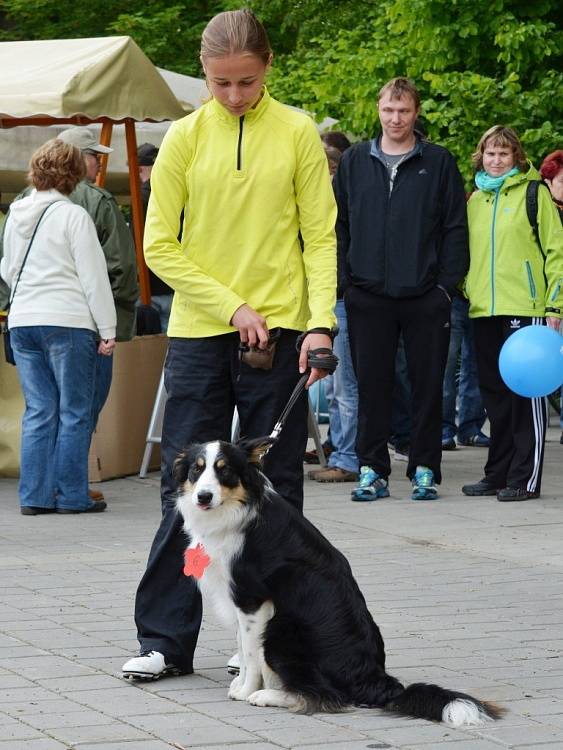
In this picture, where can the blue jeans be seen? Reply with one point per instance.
(341, 392)
(56, 368)
(163, 304)
(471, 414)
(102, 384)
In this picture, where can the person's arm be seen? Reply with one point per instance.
(163, 252)
(317, 216)
(342, 224)
(119, 251)
(91, 269)
(454, 249)
(551, 238)
(314, 196)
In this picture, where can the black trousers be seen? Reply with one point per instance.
(374, 324)
(204, 382)
(518, 424)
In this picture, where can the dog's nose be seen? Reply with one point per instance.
(204, 497)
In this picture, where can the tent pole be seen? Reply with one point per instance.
(137, 209)
(105, 140)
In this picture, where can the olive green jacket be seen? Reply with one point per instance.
(119, 250)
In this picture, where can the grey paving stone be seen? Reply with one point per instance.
(467, 593)
(69, 715)
(103, 732)
(33, 744)
(352, 745)
(295, 736)
(148, 744)
(532, 732)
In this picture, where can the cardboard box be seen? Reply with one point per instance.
(11, 411)
(119, 441)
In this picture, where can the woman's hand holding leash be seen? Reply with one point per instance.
(252, 327)
(313, 341)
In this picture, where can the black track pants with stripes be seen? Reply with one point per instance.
(517, 424)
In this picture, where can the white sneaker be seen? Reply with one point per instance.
(149, 666)
(233, 665)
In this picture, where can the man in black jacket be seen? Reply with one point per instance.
(402, 249)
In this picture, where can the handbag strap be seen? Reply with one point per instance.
(27, 252)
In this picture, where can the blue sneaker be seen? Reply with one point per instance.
(371, 486)
(423, 484)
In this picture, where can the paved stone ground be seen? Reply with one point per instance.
(467, 592)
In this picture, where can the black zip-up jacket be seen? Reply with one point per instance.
(404, 243)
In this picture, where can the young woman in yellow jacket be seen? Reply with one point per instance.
(257, 261)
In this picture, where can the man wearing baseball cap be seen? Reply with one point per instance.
(87, 142)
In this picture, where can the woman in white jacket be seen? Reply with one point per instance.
(60, 296)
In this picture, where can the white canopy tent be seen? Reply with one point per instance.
(104, 80)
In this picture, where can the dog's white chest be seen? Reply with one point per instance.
(216, 582)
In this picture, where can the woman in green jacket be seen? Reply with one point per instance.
(514, 280)
(257, 259)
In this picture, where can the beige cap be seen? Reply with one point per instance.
(83, 139)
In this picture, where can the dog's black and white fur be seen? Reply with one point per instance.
(307, 641)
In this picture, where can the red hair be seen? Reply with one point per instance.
(552, 165)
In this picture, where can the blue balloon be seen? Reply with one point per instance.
(531, 361)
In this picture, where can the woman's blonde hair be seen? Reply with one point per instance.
(503, 137)
(235, 32)
(56, 165)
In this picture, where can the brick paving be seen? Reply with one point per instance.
(468, 592)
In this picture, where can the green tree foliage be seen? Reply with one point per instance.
(168, 32)
(476, 62)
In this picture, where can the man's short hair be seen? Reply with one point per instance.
(503, 137)
(399, 87)
(56, 165)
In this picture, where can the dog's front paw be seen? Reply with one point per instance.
(235, 689)
(241, 691)
(260, 698)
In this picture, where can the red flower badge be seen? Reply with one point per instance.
(195, 561)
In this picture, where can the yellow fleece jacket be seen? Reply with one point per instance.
(248, 186)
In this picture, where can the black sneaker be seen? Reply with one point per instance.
(515, 494)
(479, 488)
(449, 444)
(35, 510)
(97, 506)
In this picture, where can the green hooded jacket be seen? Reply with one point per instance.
(119, 250)
(509, 274)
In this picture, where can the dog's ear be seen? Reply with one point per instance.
(255, 449)
(183, 462)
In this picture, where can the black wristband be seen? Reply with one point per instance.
(332, 332)
(556, 310)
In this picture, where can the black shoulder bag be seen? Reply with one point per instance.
(8, 351)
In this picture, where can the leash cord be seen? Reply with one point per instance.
(321, 358)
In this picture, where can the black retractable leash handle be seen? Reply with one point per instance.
(322, 358)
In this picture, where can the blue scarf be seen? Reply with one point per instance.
(489, 184)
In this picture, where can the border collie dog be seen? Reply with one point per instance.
(307, 641)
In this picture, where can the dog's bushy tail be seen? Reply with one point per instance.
(434, 703)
